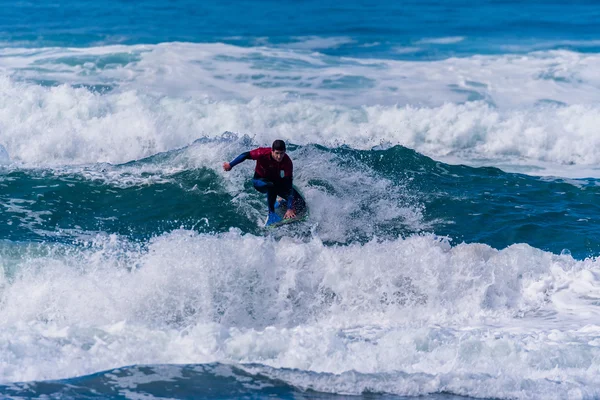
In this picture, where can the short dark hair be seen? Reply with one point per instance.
(278, 145)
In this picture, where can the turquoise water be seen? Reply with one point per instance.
(448, 152)
(556, 215)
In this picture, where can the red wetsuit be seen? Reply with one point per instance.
(269, 169)
(270, 176)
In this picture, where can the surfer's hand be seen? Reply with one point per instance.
(289, 214)
(226, 166)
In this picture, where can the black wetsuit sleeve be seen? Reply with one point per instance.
(287, 182)
(242, 157)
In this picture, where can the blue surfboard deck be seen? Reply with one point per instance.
(281, 207)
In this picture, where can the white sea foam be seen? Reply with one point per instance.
(406, 316)
(442, 40)
(4, 157)
(535, 113)
(406, 49)
(229, 72)
(549, 44)
(64, 126)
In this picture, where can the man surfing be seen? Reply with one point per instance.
(272, 175)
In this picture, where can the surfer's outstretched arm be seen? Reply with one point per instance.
(242, 157)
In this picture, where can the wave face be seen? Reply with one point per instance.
(448, 153)
(355, 196)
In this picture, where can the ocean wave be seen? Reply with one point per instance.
(354, 196)
(222, 71)
(415, 307)
(63, 125)
(64, 106)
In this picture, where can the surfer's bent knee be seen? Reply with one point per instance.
(262, 185)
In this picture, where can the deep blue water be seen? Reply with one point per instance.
(374, 28)
(448, 152)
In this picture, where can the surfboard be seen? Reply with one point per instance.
(281, 207)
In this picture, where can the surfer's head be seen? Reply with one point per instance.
(278, 150)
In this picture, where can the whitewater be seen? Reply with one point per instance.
(535, 110)
(448, 153)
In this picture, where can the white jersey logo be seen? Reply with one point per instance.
(282, 173)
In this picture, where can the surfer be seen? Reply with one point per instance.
(272, 175)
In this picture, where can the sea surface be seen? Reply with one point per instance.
(449, 152)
